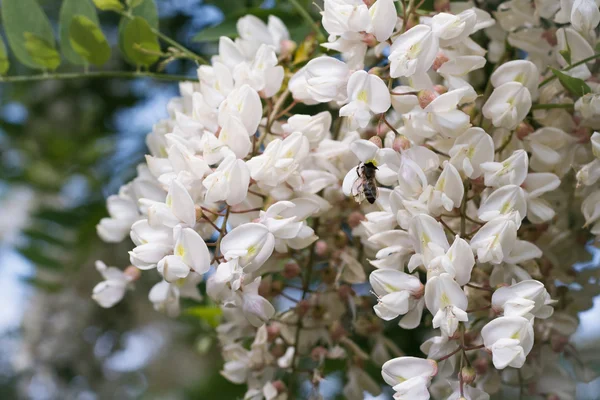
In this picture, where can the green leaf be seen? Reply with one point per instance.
(139, 42)
(20, 16)
(566, 54)
(109, 5)
(147, 10)
(88, 40)
(4, 64)
(68, 10)
(41, 51)
(36, 255)
(210, 315)
(134, 3)
(575, 86)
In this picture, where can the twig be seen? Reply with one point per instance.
(95, 75)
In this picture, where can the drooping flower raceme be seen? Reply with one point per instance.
(482, 183)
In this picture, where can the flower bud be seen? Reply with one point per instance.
(467, 375)
(370, 40)
(278, 350)
(291, 270)
(132, 273)
(441, 5)
(354, 219)
(481, 365)
(369, 3)
(321, 248)
(401, 143)
(439, 61)
(273, 332)
(425, 97)
(441, 89)
(550, 36)
(287, 48)
(376, 140)
(279, 386)
(318, 353)
(523, 130)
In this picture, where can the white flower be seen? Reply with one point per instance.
(263, 74)
(123, 213)
(448, 191)
(254, 32)
(522, 71)
(409, 377)
(244, 104)
(447, 302)
(585, 15)
(509, 339)
(256, 308)
(190, 253)
(511, 171)
(471, 149)
(458, 262)
(314, 127)
(397, 292)
(508, 105)
(383, 19)
(452, 29)
(588, 105)
(535, 185)
(322, 80)
(342, 16)
(252, 244)
(112, 289)
(229, 182)
(429, 240)
(503, 201)
(413, 51)
(495, 240)
(520, 299)
(368, 95)
(280, 161)
(571, 43)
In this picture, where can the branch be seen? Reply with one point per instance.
(568, 106)
(95, 75)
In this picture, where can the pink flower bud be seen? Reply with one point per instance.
(354, 218)
(376, 140)
(280, 386)
(468, 375)
(425, 97)
(273, 332)
(523, 130)
(321, 248)
(287, 48)
(318, 353)
(370, 40)
(401, 143)
(440, 89)
(132, 273)
(441, 5)
(440, 60)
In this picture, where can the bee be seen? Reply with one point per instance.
(365, 186)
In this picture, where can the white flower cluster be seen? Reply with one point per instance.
(478, 187)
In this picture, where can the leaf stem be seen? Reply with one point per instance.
(170, 41)
(94, 75)
(570, 67)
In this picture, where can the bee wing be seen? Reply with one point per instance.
(358, 190)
